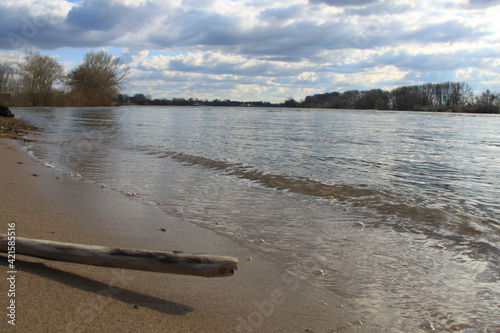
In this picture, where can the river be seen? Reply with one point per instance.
(399, 212)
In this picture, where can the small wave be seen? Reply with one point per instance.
(301, 185)
(202, 161)
(415, 218)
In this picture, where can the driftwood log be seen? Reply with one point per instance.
(153, 261)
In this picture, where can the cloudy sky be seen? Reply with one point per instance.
(265, 49)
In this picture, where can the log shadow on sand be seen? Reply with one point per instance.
(89, 285)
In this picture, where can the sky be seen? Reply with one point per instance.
(264, 50)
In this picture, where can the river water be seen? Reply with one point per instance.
(399, 212)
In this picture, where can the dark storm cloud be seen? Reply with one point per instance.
(278, 36)
(196, 27)
(282, 32)
(94, 15)
(91, 23)
(298, 38)
(19, 28)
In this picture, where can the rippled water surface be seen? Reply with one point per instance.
(398, 210)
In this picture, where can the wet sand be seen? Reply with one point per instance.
(62, 297)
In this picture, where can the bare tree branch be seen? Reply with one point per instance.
(99, 78)
(38, 74)
(5, 73)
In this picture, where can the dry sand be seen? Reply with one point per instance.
(62, 297)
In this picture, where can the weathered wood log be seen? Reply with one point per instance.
(153, 261)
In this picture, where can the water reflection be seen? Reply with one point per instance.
(82, 139)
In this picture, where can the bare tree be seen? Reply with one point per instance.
(38, 74)
(99, 79)
(488, 98)
(5, 73)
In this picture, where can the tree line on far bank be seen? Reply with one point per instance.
(141, 99)
(95, 82)
(98, 79)
(439, 97)
(445, 96)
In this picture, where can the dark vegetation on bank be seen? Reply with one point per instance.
(13, 128)
(141, 99)
(440, 97)
(100, 77)
(32, 82)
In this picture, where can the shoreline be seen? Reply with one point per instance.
(55, 296)
(12, 128)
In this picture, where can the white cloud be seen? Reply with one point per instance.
(270, 50)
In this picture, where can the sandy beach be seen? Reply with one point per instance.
(62, 297)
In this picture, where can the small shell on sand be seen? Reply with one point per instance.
(131, 194)
(428, 326)
(249, 259)
(319, 272)
(360, 225)
(259, 241)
